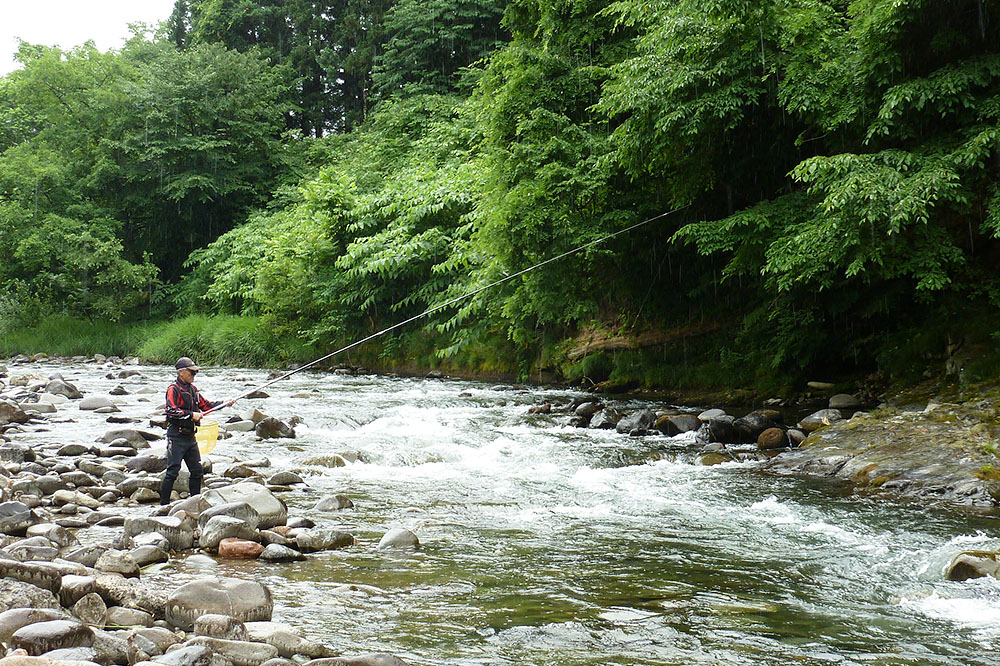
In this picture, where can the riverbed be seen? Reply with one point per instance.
(543, 544)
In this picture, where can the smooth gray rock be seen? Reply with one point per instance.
(119, 616)
(118, 561)
(41, 637)
(399, 539)
(179, 532)
(221, 626)
(311, 541)
(244, 600)
(190, 655)
(242, 511)
(272, 428)
(15, 518)
(288, 642)
(334, 503)
(91, 609)
(95, 402)
(844, 401)
(372, 659)
(13, 619)
(224, 527)
(819, 419)
(641, 420)
(272, 510)
(278, 553)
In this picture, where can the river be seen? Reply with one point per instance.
(548, 545)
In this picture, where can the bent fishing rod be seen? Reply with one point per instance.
(453, 301)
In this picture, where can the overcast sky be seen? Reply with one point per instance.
(69, 23)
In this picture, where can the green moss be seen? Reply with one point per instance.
(988, 473)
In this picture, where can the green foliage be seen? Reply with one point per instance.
(430, 41)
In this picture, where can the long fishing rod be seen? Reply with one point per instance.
(457, 299)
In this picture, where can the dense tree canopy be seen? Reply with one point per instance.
(834, 164)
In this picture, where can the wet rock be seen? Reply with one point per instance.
(189, 655)
(285, 479)
(641, 420)
(272, 428)
(140, 439)
(118, 390)
(241, 511)
(86, 555)
(61, 497)
(240, 426)
(10, 412)
(42, 637)
(312, 541)
(240, 549)
(399, 539)
(541, 409)
(844, 401)
(279, 553)
(748, 428)
(974, 564)
(244, 600)
(146, 555)
(374, 659)
(772, 438)
(95, 402)
(240, 471)
(606, 419)
(588, 409)
(334, 503)
(116, 590)
(288, 642)
(151, 464)
(63, 388)
(819, 419)
(676, 425)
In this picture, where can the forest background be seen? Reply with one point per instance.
(259, 182)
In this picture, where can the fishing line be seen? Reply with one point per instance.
(458, 299)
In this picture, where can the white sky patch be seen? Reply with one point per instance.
(69, 23)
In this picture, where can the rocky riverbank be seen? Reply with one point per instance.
(66, 598)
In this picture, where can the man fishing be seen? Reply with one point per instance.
(185, 408)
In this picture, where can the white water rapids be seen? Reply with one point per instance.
(549, 545)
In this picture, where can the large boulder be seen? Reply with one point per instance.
(641, 420)
(243, 600)
(845, 401)
(311, 541)
(18, 594)
(974, 564)
(820, 419)
(11, 413)
(15, 518)
(272, 511)
(140, 439)
(399, 539)
(63, 388)
(676, 425)
(222, 527)
(272, 428)
(772, 438)
(15, 618)
(179, 531)
(606, 419)
(95, 402)
(42, 637)
(748, 428)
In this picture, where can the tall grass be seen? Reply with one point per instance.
(60, 335)
(221, 340)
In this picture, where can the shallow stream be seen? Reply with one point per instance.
(549, 545)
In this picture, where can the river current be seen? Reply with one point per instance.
(543, 544)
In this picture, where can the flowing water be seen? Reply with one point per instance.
(549, 545)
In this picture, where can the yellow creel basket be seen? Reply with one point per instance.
(207, 434)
